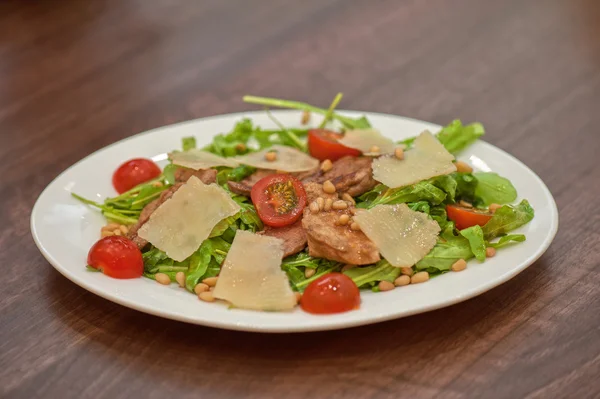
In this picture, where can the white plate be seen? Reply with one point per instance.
(65, 229)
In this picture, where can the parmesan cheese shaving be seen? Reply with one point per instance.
(181, 223)
(403, 236)
(198, 159)
(251, 276)
(365, 140)
(287, 159)
(428, 158)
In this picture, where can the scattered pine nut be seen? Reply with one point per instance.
(117, 232)
(328, 204)
(402, 280)
(305, 117)
(344, 219)
(339, 205)
(407, 271)
(314, 207)
(320, 203)
(353, 211)
(271, 156)
(374, 149)
(298, 296)
(326, 165)
(399, 152)
(240, 147)
(157, 184)
(419, 277)
(210, 281)
(459, 265)
(348, 197)
(328, 187)
(463, 167)
(490, 252)
(354, 226)
(180, 278)
(201, 287)
(162, 278)
(123, 229)
(494, 207)
(465, 204)
(386, 286)
(106, 233)
(309, 272)
(206, 296)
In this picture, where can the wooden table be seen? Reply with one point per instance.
(78, 75)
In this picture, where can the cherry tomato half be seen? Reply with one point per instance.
(134, 172)
(467, 217)
(117, 257)
(331, 293)
(323, 144)
(279, 199)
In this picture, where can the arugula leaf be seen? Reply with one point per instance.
(422, 191)
(465, 186)
(448, 250)
(448, 184)
(456, 137)
(198, 265)
(169, 173)
(381, 271)
(507, 240)
(475, 236)
(188, 143)
(492, 188)
(508, 218)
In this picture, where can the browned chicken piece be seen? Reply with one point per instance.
(352, 175)
(293, 236)
(244, 186)
(147, 211)
(327, 239)
(207, 176)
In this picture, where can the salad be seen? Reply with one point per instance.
(272, 219)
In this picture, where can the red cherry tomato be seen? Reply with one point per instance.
(331, 293)
(279, 199)
(323, 144)
(467, 217)
(117, 257)
(134, 172)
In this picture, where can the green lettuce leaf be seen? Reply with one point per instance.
(381, 271)
(456, 137)
(422, 191)
(476, 241)
(448, 250)
(492, 188)
(198, 265)
(508, 218)
(507, 240)
(465, 186)
(188, 143)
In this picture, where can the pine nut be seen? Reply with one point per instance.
(354, 226)
(117, 232)
(180, 278)
(348, 197)
(339, 205)
(162, 278)
(314, 207)
(320, 202)
(399, 153)
(374, 149)
(407, 271)
(123, 229)
(420, 277)
(309, 272)
(298, 296)
(463, 167)
(210, 281)
(206, 296)
(328, 187)
(271, 156)
(353, 211)
(386, 286)
(326, 165)
(343, 220)
(328, 204)
(305, 117)
(494, 207)
(465, 204)
(106, 233)
(199, 288)
(240, 147)
(157, 184)
(459, 265)
(490, 252)
(402, 281)
(111, 226)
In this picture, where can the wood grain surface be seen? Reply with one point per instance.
(78, 75)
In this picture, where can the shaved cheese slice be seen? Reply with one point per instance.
(365, 140)
(251, 276)
(288, 159)
(181, 223)
(198, 159)
(403, 236)
(428, 158)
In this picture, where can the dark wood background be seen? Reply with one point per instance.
(78, 75)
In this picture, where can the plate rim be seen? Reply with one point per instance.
(338, 325)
